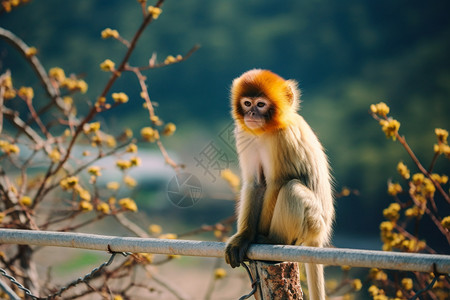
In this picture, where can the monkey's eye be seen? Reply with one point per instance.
(261, 104)
(247, 103)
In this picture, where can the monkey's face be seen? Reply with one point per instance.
(256, 112)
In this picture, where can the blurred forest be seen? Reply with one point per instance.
(345, 54)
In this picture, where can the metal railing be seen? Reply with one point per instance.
(327, 256)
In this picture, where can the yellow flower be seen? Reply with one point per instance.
(403, 170)
(231, 178)
(108, 33)
(155, 229)
(31, 51)
(380, 109)
(130, 181)
(373, 290)
(386, 226)
(123, 164)
(94, 170)
(442, 149)
(69, 183)
(377, 274)
(446, 222)
(169, 129)
(128, 204)
(428, 188)
(154, 11)
(220, 273)
(9, 148)
(26, 92)
(391, 213)
(57, 74)
(418, 178)
(413, 212)
(85, 206)
(394, 188)
(135, 161)
(441, 135)
(107, 65)
(91, 127)
(345, 268)
(26, 201)
(2, 216)
(128, 133)
(407, 284)
(169, 236)
(356, 285)
(390, 128)
(170, 59)
(120, 97)
(103, 208)
(54, 155)
(144, 258)
(84, 194)
(81, 85)
(132, 148)
(442, 179)
(110, 141)
(117, 297)
(113, 185)
(149, 134)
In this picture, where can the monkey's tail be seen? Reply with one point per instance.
(316, 282)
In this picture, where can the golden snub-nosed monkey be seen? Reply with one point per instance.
(286, 196)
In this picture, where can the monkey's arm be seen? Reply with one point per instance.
(249, 213)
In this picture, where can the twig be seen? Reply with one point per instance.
(163, 64)
(36, 65)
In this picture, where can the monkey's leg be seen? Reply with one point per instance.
(298, 219)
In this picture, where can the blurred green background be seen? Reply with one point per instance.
(345, 55)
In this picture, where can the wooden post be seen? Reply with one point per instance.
(277, 280)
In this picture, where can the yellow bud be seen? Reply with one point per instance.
(154, 11)
(107, 65)
(113, 185)
(57, 74)
(110, 33)
(123, 164)
(403, 170)
(441, 135)
(120, 97)
(407, 284)
(31, 51)
(446, 222)
(26, 92)
(85, 206)
(128, 204)
(55, 155)
(169, 129)
(103, 208)
(220, 273)
(155, 229)
(94, 170)
(132, 148)
(356, 285)
(26, 201)
(129, 181)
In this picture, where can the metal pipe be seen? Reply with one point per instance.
(327, 256)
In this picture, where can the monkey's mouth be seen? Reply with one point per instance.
(253, 124)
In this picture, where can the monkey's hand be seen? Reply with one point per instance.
(236, 249)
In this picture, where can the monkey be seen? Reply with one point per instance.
(286, 193)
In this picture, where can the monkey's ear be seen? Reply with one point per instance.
(293, 93)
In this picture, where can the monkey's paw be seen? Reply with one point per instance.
(236, 249)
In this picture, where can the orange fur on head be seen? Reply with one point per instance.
(283, 95)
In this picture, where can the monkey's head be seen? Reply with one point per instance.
(262, 101)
